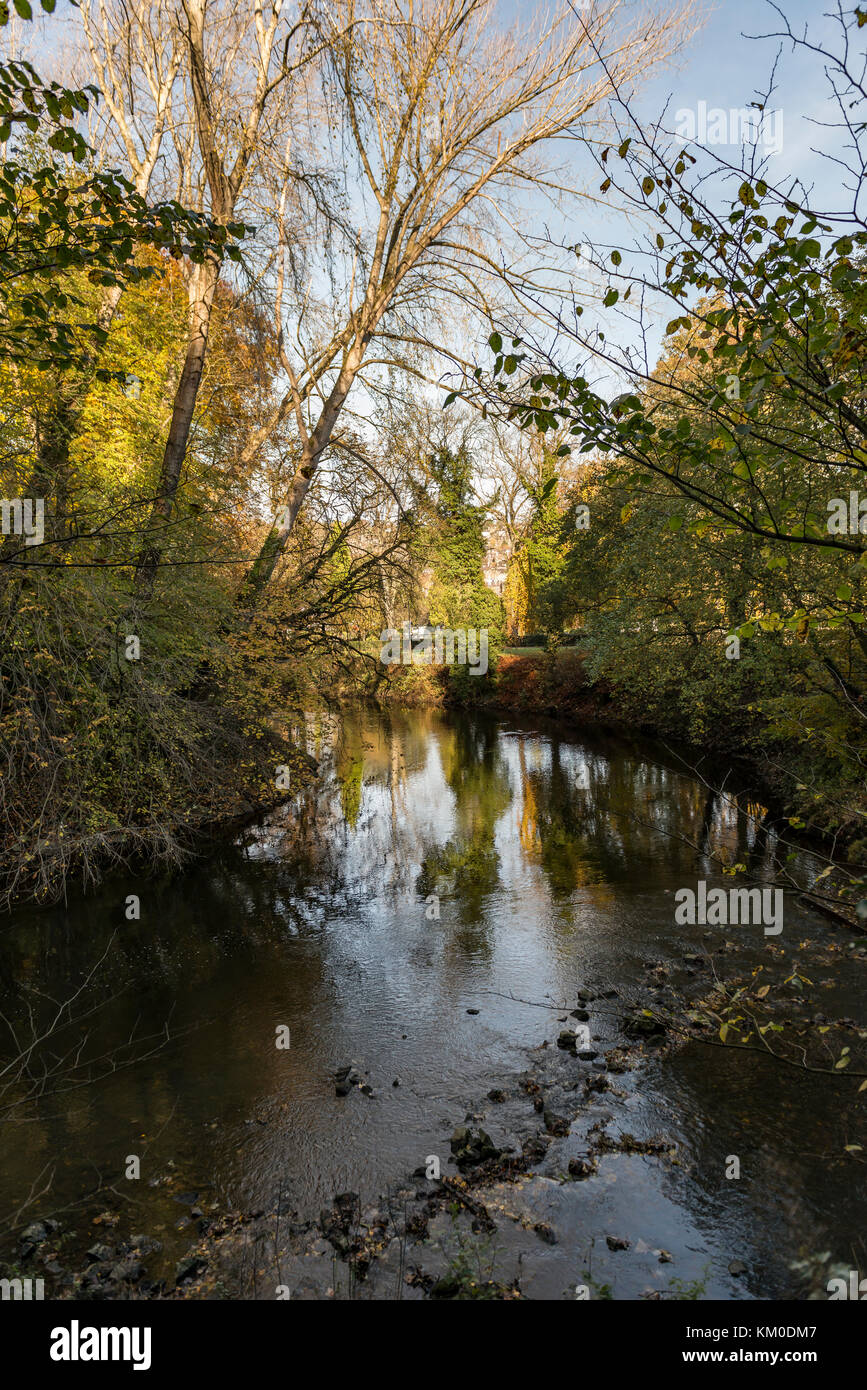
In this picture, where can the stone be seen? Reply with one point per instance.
(642, 1025)
(189, 1267)
(556, 1124)
(470, 1149)
(545, 1232)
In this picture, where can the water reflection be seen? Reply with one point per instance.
(553, 860)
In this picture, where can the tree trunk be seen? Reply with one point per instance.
(202, 290)
(263, 567)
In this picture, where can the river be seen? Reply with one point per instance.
(441, 864)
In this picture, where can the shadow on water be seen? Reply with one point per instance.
(440, 864)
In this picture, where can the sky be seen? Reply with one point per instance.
(722, 67)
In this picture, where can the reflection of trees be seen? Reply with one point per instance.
(467, 867)
(595, 815)
(559, 824)
(350, 790)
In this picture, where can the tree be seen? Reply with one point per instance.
(444, 118)
(229, 124)
(453, 535)
(773, 322)
(721, 471)
(64, 222)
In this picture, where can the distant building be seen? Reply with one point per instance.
(495, 565)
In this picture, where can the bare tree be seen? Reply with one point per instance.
(196, 97)
(134, 52)
(443, 117)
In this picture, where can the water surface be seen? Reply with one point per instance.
(441, 864)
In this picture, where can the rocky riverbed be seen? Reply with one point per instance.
(523, 1204)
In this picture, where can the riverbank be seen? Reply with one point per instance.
(228, 786)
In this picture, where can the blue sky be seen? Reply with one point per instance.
(725, 68)
(722, 67)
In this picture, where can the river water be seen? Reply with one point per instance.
(441, 864)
